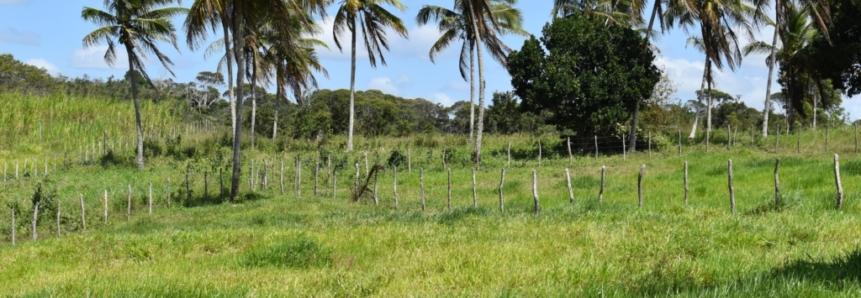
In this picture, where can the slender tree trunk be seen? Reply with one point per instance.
(709, 109)
(352, 85)
(253, 98)
(224, 26)
(237, 132)
(481, 86)
(632, 139)
(134, 85)
(700, 101)
(767, 107)
(471, 95)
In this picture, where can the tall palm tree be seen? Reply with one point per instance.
(456, 25)
(819, 11)
(205, 14)
(372, 19)
(720, 24)
(138, 25)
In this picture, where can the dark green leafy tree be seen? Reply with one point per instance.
(591, 76)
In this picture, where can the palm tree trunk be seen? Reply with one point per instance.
(471, 95)
(134, 83)
(700, 101)
(253, 98)
(767, 107)
(238, 38)
(224, 26)
(709, 109)
(480, 127)
(352, 86)
(632, 138)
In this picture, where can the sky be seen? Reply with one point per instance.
(48, 33)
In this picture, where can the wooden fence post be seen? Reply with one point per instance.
(776, 183)
(624, 149)
(150, 198)
(680, 142)
(449, 189)
(35, 219)
(640, 184)
(376, 178)
(106, 207)
(422, 184)
(731, 190)
(601, 192)
(83, 214)
(168, 193)
(395, 185)
(570, 156)
(686, 183)
(535, 191)
(837, 180)
(501, 198)
(728, 137)
(129, 208)
(317, 178)
(570, 190)
(474, 194)
(596, 147)
(59, 233)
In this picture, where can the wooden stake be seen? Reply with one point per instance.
(731, 189)
(409, 160)
(129, 208)
(601, 192)
(624, 149)
(59, 233)
(150, 198)
(83, 214)
(535, 192)
(106, 207)
(422, 184)
(837, 180)
(686, 183)
(735, 136)
(501, 198)
(449, 189)
(728, 137)
(570, 156)
(596, 147)
(474, 194)
(395, 185)
(376, 176)
(640, 184)
(776, 183)
(570, 190)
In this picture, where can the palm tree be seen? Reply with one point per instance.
(456, 25)
(373, 19)
(720, 23)
(138, 25)
(819, 11)
(212, 13)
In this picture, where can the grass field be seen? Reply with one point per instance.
(269, 244)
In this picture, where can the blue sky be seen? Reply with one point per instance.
(47, 33)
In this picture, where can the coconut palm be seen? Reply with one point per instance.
(721, 24)
(456, 25)
(138, 25)
(819, 10)
(372, 19)
(614, 12)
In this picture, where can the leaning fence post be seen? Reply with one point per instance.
(395, 185)
(449, 188)
(686, 183)
(535, 191)
(731, 190)
(83, 215)
(776, 183)
(837, 180)
(570, 190)
(474, 194)
(501, 198)
(570, 157)
(640, 184)
(601, 192)
(422, 184)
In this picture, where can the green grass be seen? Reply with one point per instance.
(268, 244)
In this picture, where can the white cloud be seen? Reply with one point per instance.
(25, 37)
(388, 85)
(42, 63)
(442, 98)
(94, 58)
